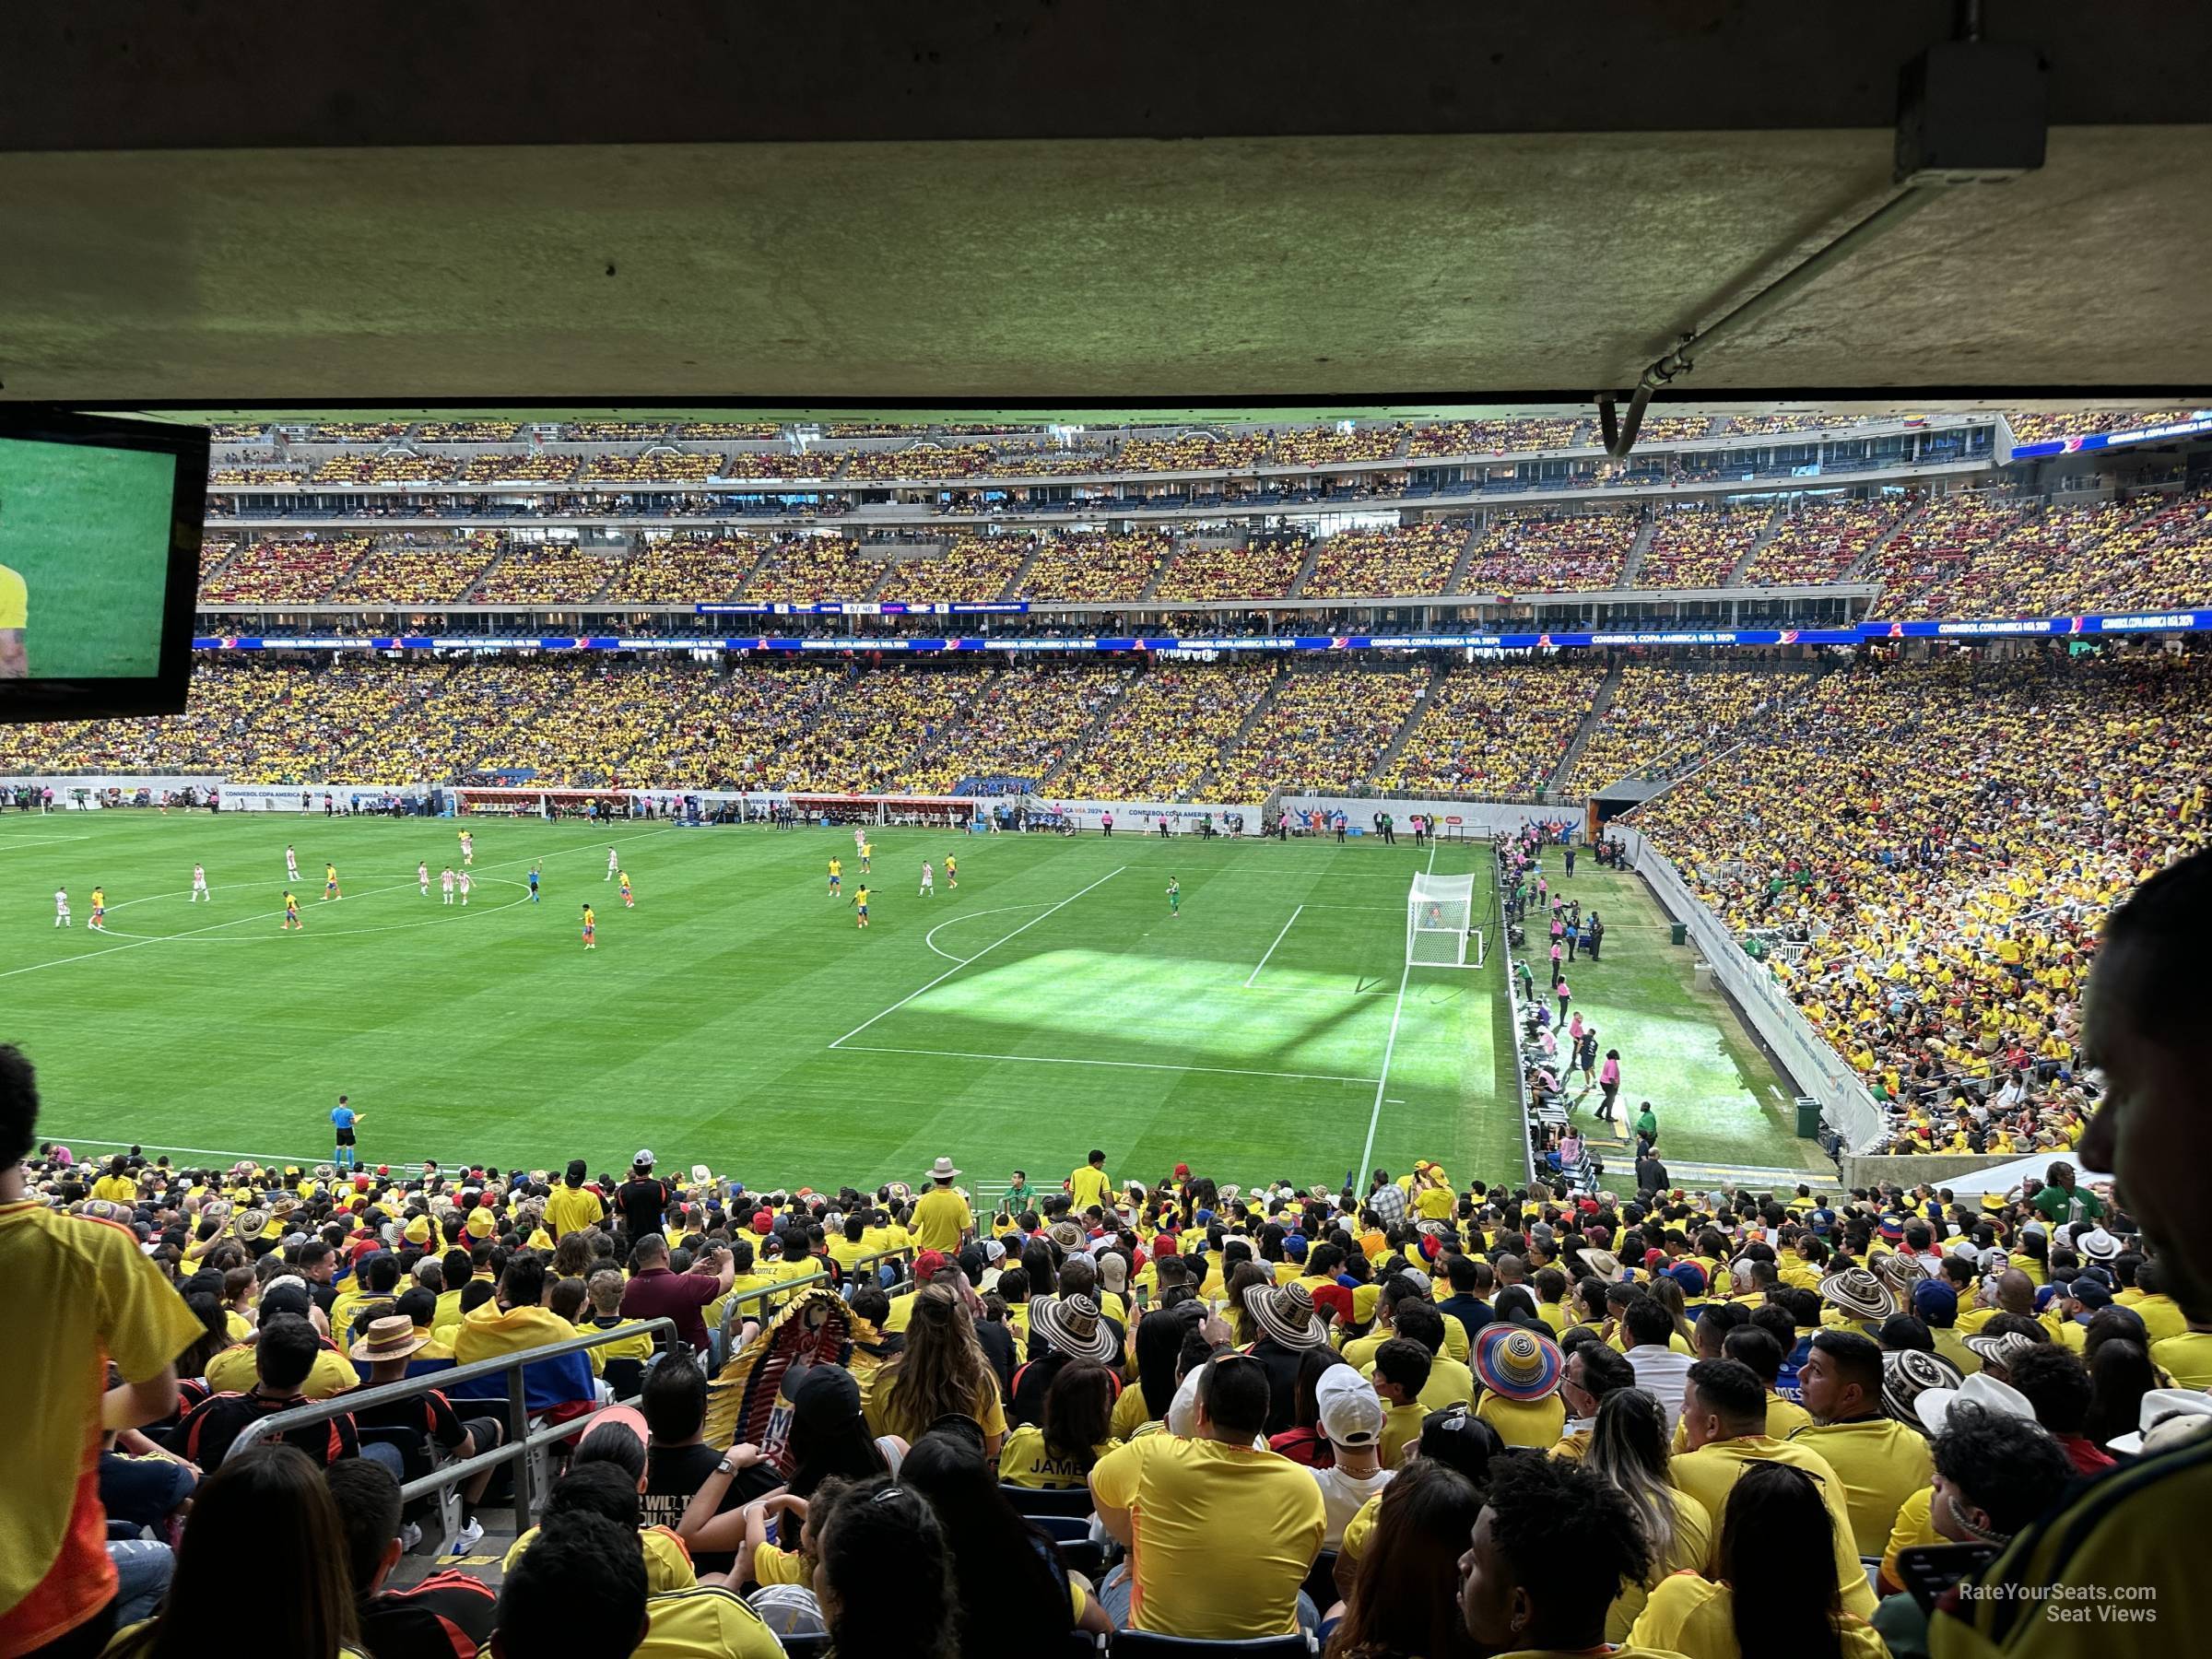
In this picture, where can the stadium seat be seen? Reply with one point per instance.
(1137, 1644)
(1037, 1501)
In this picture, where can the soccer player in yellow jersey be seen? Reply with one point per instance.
(99, 909)
(867, 852)
(468, 849)
(291, 914)
(952, 873)
(591, 927)
(837, 876)
(860, 905)
(627, 902)
(330, 882)
(14, 614)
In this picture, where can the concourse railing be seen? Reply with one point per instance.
(520, 1442)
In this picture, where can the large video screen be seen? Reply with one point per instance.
(99, 531)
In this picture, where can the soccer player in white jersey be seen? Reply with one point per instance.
(61, 906)
(613, 865)
(291, 866)
(422, 877)
(464, 886)
(929, 880)
(445, 884)
(199, 884)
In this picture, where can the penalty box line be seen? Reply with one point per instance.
(978, 957)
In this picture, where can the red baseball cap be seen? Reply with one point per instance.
(928, 1264)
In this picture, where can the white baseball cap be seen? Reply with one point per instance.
(644, 1160)
(1351, 1412)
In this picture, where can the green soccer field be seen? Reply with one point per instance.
(737, 1017)
(87, 531)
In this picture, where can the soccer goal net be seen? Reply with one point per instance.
(1440, 930)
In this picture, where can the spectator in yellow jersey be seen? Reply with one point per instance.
(941, 1219)
(82, 1296)
(2148, 1007)
(1724, 1418)
(1090, 1185)
(15, 616)
(1774, 1585)
(1881, 1461)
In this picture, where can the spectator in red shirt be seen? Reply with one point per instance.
(654, 1292)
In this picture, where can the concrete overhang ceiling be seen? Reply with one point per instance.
(233, 205)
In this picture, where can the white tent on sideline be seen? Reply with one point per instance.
(2003, 1177)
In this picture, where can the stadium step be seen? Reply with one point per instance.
(1457, 581)
(1090, 733)
(1865, 561)
(1013, 589)
(1775, 521)
(1305, 570)
(1389, 757)
(1257, 713)
(767, 546)
(1601, 700)
(1633, 563)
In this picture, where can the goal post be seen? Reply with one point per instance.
(1439, 932)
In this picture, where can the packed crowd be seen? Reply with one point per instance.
(469, 431)
(656, 465)
(2142, 552)
(549, 573)
(1943, 542)
(1662, 717)
(1191, 452)
(1410, 560)
(1495, 727)
(384, 466)
(1972, 553)
(1699, 547)
(807, 570)
(684, 570)
(1164, 739)
(262, 573)
(1924, 851)
(396, 573)
(1019, 725)
(1098, 565)
(1819, 541)
(1322, 725)
(1263, 568)
(519, 466)
(2047, 425)
(1571, 553)
(1435, 1417)
(969, 570)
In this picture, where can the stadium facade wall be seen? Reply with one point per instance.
(1936, 1170)
(62, 783)
(1142, 818)
(1814, 1066)
(1487, 817)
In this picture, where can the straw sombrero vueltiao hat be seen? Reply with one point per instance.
(1071, 1323)
(1285, 1314)
(1515, 1362)
(391, 1337)
(1858, 1294)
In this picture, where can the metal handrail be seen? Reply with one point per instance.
(515, 1448)
(762, 1293)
